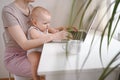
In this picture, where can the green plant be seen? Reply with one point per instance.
(110, 32)
(79, 16)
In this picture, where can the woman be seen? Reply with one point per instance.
(15, 19)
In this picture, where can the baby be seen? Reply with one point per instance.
(40, 18)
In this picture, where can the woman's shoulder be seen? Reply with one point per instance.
(9, 8)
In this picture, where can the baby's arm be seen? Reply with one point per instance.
(34, 34)
(52, 30)
(55, 29)
(47, 37)
(60, 28)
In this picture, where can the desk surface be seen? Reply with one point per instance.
(54, 58)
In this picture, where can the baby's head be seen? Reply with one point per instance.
(40, 18)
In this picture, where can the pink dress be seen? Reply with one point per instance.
(15, 58)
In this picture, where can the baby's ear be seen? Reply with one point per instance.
(34, 22)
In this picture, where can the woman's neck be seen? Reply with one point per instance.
(22, 5)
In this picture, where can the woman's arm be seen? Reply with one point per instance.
(17, 33)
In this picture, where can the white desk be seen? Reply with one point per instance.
(53, 59)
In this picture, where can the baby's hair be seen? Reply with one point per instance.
(37, 11)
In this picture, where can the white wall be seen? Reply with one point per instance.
(59, 14)
(59, 10)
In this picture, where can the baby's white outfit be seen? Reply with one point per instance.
(38, 49)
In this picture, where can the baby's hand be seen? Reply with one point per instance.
(60, 35)
(60, 28)
(53, 30)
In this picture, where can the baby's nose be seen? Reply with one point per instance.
(46, 26)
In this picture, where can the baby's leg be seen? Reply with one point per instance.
(34, 58)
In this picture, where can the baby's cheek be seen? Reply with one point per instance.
(57, 31)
